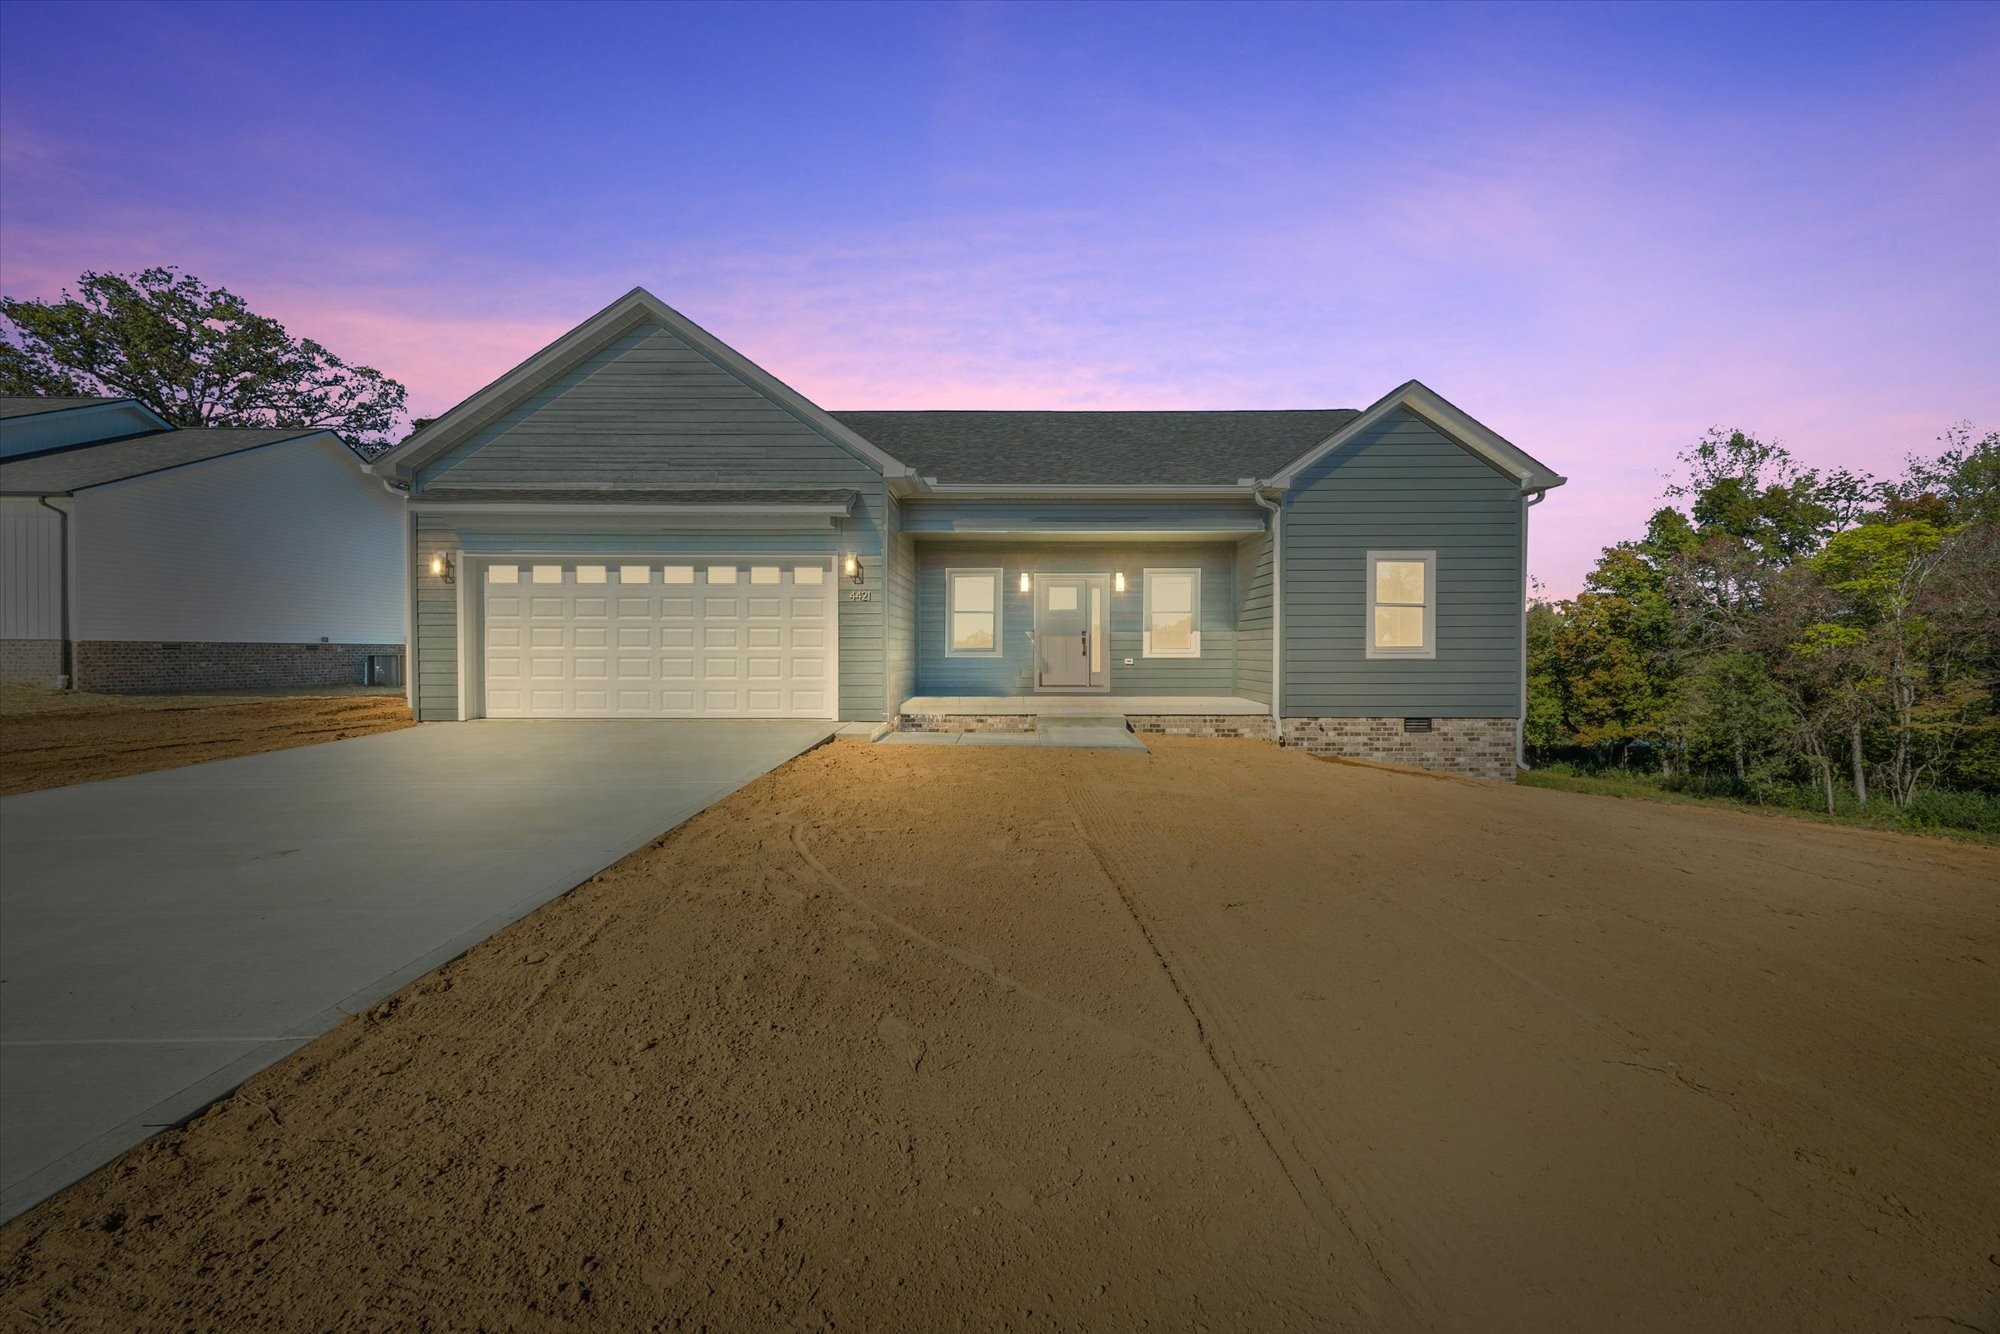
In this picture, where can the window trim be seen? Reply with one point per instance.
(1429, 647)
(951, 577)
(1146, 649)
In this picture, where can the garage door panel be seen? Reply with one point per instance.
(598, 640)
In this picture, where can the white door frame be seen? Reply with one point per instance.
(472, 607)
(1097, 597)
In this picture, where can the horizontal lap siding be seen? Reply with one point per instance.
(650, 411)
(1253, 620)
(434, 657)
(1053, 516)
(900, 612)
(1213, 673)
(1402, 486)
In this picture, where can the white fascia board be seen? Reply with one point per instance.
(1434, 408)
(421, 506)
(466, 418)
(977, 491)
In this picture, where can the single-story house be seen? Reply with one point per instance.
(639, 522)
(141, 558)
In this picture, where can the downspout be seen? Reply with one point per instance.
(1528, 502)
(64, 673)
(1277, 509)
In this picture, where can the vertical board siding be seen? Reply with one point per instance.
(650, 411)
(288, 544)
(1253, 619)
(30, 571)
(1012, 673)
(1402, 486)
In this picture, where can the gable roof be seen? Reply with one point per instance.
(636, 307)
(78, 467)
(1425, 402)
(1098, 448)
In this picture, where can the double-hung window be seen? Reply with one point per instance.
(972, 613)
(1402, 604)
(1172, 625)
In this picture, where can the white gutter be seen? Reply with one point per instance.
(1528, 502)
(974, 490)
(1277, 509)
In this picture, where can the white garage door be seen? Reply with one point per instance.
(658, 640)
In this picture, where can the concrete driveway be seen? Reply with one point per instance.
(164, 936)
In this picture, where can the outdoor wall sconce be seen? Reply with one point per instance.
(1027, 584)
(441, 567)
(1118, 582)
(850, 565)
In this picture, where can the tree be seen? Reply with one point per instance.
(197, 355)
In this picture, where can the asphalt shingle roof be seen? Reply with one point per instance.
(33, 405)
(1097, 448)
(64, 470)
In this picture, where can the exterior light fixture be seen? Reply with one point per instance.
(441, 568)
(1027, 584)
(1118, 582)
(850, 565)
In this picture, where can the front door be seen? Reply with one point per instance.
(1069, 632)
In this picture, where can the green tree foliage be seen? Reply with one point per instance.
(1777, 625)
(197, 355)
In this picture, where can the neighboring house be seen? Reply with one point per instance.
(638, 522)
(136, 557)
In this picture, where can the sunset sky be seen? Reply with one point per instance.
(1599, 230)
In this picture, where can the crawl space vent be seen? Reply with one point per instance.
(1416, 724)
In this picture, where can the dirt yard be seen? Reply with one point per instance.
(53, 738)
(1220, 1038)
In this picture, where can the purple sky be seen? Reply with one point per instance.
(1599, 230)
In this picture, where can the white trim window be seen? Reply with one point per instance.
(972, 613)
(1402, 604)
(1171, 627)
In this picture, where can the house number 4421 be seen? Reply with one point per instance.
(860, 595)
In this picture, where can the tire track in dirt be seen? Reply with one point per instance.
(979, 964)
(1267, 1118)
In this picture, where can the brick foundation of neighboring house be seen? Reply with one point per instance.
(30, 662)
(1469, 747)
(965, 722)
(149, 667)
(1251, 726)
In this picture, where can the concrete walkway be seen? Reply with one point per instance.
(1108, 732)
(165, 936)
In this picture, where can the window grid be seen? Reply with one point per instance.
(972, 613)
(1171, 609)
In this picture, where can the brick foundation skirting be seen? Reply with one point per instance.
(30, 662)
(148, 667)
(965, 722)
(1252, 726)
(1469, 747)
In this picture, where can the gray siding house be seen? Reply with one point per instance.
(637, 521)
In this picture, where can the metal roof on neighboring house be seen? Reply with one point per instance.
(651, 495)
(33, 405)
(1097, 448)
(77, 467)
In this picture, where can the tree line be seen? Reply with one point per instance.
(1779, 625)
